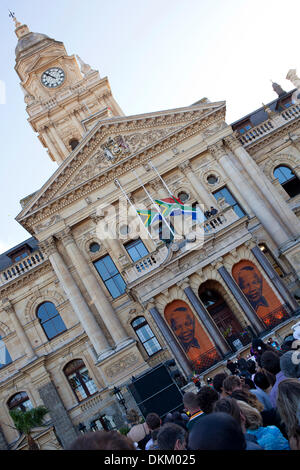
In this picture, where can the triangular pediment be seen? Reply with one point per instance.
(115, 141)
(44, 59)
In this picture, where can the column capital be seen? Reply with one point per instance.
(65, 236)
(232, 142)
(155, 184)
(150, 304)
(184, 283)
(217, 150)
(7, 306)
(250, 244)
(48, 246)
(217, 263)
(185, 167)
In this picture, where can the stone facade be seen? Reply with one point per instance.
(195, 152)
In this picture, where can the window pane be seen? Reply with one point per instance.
(138, 321)
(152, 346)
(283, 174)
(58, 324)
(111, 276)
(136, 250)
(224, 192)
(4, 354)
(144, 333)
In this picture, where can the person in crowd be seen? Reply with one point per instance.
(191, 404)
(268, 437)
(154, 422)
(207, 396)
(229, 405)
(232, 366)
(102, 440)
(243, 367)
(261, 391)
(248, 397)
(271, 362)
(272, 342)
(288, 403)
(259, 347)
(218, 383)
(140, 433)
(251, 367)
(232, 383)
(180, 419)
(289, 366)
(288, 343)
(217, 431)
(171, 437)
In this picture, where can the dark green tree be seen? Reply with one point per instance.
(25, 421)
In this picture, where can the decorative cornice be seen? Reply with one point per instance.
(7, 306)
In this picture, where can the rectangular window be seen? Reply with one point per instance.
(136, 250)
(110, 276)
(224, 192)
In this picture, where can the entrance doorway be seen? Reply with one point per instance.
(226, 321)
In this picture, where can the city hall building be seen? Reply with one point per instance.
(88, 302)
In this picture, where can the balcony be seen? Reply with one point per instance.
(194, 239)
(21, 267)
(266, 127)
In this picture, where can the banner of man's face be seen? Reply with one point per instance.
(258, 291)
(193, 339)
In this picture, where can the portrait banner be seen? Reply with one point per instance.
(259, 293)
(194, 341)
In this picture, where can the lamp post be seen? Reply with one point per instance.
(117, 392)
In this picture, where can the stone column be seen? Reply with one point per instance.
(289, 218)
(253, 319)
(259, 206)
(63, 425)
(57, 139)
(176, 350)
(76, 299)
(204, 196)
(51, 146)
(276, 280)
(20, 332)
(111, 243)
(208, 322)
(94, 289)
(76, 123)
(3, 441)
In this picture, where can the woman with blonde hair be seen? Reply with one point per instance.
(288, 404)
(268, 437)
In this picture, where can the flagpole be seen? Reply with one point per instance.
(163, 182)
(153, 202)
(117, 182)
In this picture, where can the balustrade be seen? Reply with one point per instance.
(21, 267)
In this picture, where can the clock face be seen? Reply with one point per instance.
(54, 77)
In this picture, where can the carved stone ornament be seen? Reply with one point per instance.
(48, 246)
(232, 141)
(217, 150)
(65, 236)
(118, 367)
(40, 227)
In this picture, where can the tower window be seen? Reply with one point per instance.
(288, 180)
(73, 143)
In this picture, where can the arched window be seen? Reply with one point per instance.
(146, 335)
(50, 320)
(19, 401)
(73, 143)
(4, 354)
(78, 377)
(288, 180)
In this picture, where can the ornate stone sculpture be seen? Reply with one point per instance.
(293, 77)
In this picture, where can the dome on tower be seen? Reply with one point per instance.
(28, 40)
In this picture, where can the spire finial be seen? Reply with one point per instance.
(13, 17)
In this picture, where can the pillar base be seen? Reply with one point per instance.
(105, 354)
(124, 343)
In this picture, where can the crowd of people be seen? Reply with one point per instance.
(253, 405)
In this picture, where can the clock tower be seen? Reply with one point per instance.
(64, 96)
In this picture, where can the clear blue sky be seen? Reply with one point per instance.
(158, 54)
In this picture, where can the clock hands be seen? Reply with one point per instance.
(49, 75)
